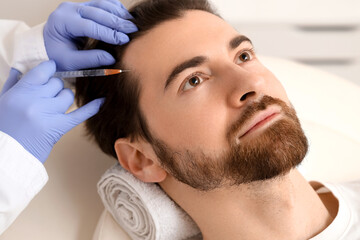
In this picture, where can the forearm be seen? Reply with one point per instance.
(22, 176)
(8, 31)
(29, 49)
(21, 47)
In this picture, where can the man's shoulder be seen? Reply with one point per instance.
(345, 225)
(347, 191)
(352, 189)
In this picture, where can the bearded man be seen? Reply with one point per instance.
(201, 116)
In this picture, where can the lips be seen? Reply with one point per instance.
(259, 120)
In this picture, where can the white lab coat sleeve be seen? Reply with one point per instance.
(22, 176)
(21, 47)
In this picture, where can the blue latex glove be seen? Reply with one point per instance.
(33, 109)
(103, 20)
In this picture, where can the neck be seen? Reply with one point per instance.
(283, 208)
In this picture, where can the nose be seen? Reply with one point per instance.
(244, 86)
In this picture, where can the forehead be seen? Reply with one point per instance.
(154, 54)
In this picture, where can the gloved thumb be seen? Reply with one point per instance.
(11, 81)
(83, 113)
(40, 74)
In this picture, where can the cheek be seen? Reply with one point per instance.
(274, 88)
(199, 122)
(280, 91)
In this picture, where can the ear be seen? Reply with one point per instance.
(140, 160)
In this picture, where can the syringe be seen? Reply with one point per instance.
(88, 73)
(70, 76)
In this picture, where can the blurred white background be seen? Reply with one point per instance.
(322, 33)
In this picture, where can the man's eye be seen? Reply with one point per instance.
(245, 56)
(192, 82)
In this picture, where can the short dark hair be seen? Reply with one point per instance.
(120, 115)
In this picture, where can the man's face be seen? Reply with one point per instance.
(205, 109)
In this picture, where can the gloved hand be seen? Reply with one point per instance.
(103, 20)
(33, 109)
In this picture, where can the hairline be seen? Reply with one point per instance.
(135, 76)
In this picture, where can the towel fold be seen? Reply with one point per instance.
(143, 210)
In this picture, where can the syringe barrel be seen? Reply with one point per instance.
(82, 73)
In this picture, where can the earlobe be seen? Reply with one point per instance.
(140, 162)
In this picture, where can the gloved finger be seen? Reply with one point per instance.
(111, 8)
(107, 19)
(91, 58)
(99, 32)
(11, 81)
(62, 101)
(40, 74)
(83, 113)
(52, 87)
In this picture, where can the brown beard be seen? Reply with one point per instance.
(274, 152)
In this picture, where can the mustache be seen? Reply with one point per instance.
(252, 108)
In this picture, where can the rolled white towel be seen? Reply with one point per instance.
(143, 210)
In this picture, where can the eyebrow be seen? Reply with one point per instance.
(199, 60)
